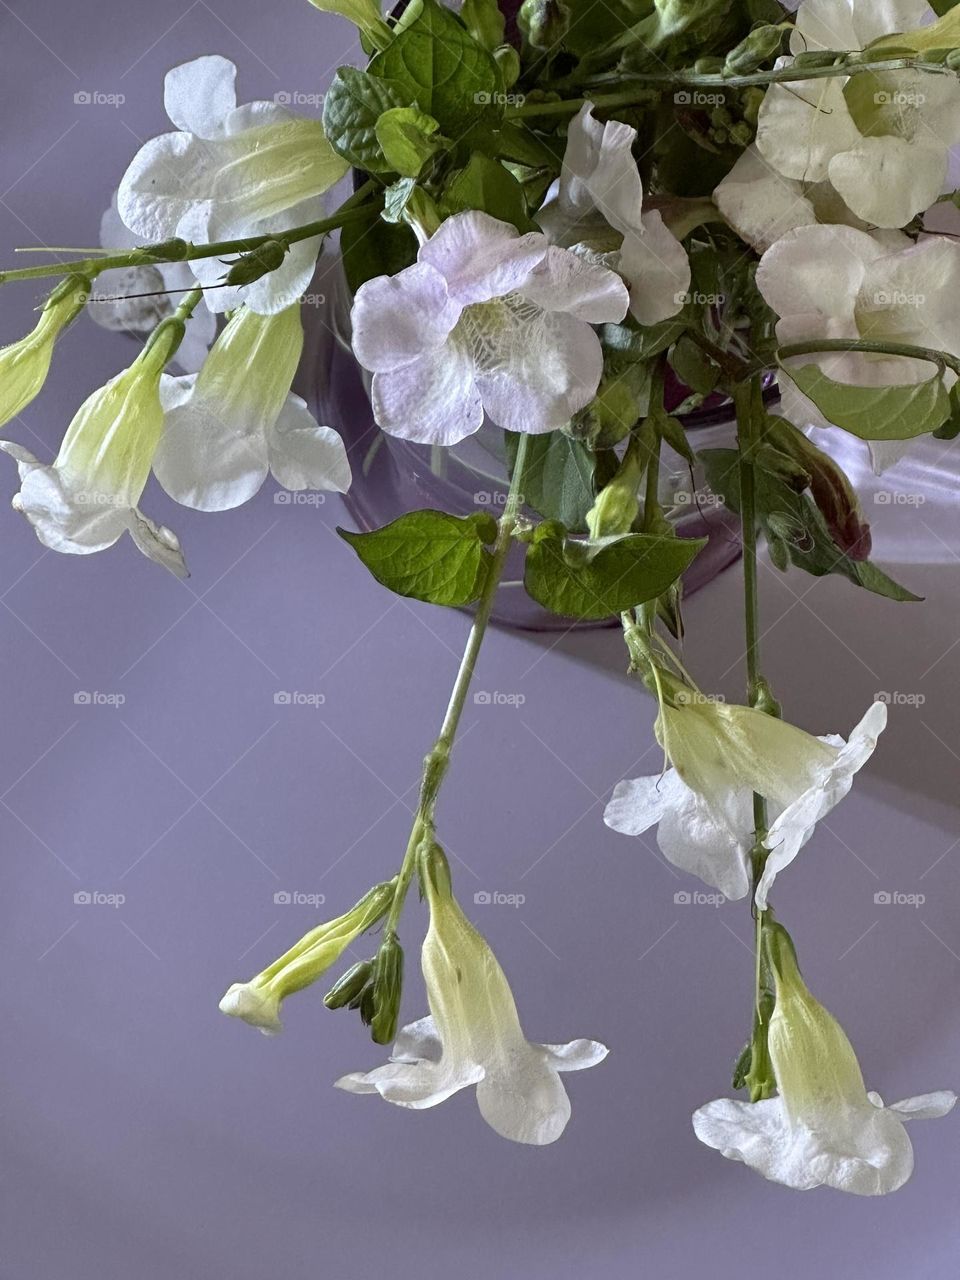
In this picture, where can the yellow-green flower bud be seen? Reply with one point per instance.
(24, 365)
(258, 1001)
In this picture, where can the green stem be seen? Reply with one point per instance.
(147, 255)
(666, 80)
(437, 761)
(818, 346)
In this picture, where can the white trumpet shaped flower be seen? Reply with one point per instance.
(719, 755)
(822, 1128)
(486, 320)
(598, 205)
(135, 299)
(88, 498)
(236, 420)
(881, 139)
(839, 282)
(229, 173)
(473, 1037)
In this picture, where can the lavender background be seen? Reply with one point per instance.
(144, 1134)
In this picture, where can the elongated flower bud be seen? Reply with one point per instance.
(258, 1001)
(24, 365)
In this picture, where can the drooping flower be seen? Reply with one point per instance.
(598, 205)
(838, 282)
(822, 1128)
(258, 1001)
(136, 299)
(486, 320)
(719, 755)
(228, 425)
(228, 173)
(24, 365)
(881, 139)
(88, 497)
(473, 1036)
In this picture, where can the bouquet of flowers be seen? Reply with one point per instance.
(570, 223)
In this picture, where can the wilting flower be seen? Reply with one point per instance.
(24, 365)
(822, 1128)
(882, 140)
(228, 173)
(598, 205)
(720, 754)
(136, 299)
(473, 1036)
(88, 497)
(485, 320)
(235, 420)
(258, 1001)
(838, 282)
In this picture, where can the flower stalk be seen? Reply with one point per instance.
(437, 760)
(184, 251)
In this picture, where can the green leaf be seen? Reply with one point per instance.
(442, 68)
(796, 531)
(560, 476)
(429, 555)
(635, 342)
(596, 580)
(405, 138)
(485, 184)
(372, 247)
(876, 413)
(353, 104)
(484, 21)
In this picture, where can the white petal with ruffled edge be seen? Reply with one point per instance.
(829, 786)
(537, 379)
(481, 257)
(397, 319)
(656, 266)
(75, 521)
(199, 95)
(864, 1150)
(761, 204)
(433, 400)
(888, 180)
(305, 455)
(692, 834)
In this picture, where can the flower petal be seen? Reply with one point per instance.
(761, 204)
(563, 281)
(397, 319)
(75, 523)
(926, 1106)
(410, 1084)
(417, 1040)
(658, 269)
(540, 372)
(434, 400)
(199, 95)
(304, 455)
(158, 543)
(165, 179)
(817, 272)
(828, 788)
(526, 1100)
(203, 461)
(888, 180)
(599, 171)
(578, 1055)
(481, 257)
(802, 126)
